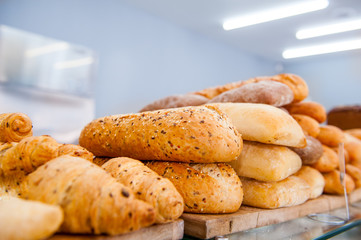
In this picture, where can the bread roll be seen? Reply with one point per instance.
(266, 162)
(309, 125)
(314, 178)
(264, 123)
(189, 134)
(311, 153)
(267, 92)
(353, 147)
(21, 219)
(356, 132)
(333, 183)
(328, 161)
(312, 109)
(205, 188)
(92, 200)
(14, 127)
(288, 192)
(331, 136)
(355, 174)
(345, 153)
(147, 186)
(175, 101)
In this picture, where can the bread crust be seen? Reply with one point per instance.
(312, 109)
(205, 188)
(147, 186)
(175, 101)
(266, 92)
(309, 125)
(190, 134)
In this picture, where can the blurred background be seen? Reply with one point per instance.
(67, 62)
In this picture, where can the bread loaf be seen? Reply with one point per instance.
(355, 174)
(190, 134)
(288, 192)
(331, 136)
(205, 188)
(333, 183)
(264, 123)
(14, 127)
(313, 178)
(267, 92)
(353, 147)
(266, 162)
(147, 186)
(345, 117)
(175, 101)
(328, 161)
(309, 125)
(21, 219)
(311, 153)
(312, 109)
(92, 200)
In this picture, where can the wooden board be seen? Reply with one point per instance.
(211, 225)
(167, 231)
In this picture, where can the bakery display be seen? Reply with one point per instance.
(14, 127)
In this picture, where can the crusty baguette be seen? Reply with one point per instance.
(32, 152)
(147, 186)
(205, 187)
(266, 162)
(314, 178)
(190, 134)
(328, 161)
(14, 127)
(264, 123)
(175, 101)
(266, 92)
(333, 183)
(311, 153)
(22, 220)
(92, 200)
(288, 192)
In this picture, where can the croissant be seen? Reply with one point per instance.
(14, 127)
(148, 186)
(32, 152)
(92, 200)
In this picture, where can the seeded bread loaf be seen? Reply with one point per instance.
(190, 134)
(205, 187)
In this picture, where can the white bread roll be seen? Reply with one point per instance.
(266, 162)
(314, 178)
(264, 123)
(291, 191)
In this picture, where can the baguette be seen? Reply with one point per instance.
(291, 191)
(32, 152)
(147, 186)
(266, 162)
(205, 188)
(14, 127)
(314, 179)
(92, 200)
(22, 220)
(190, 134)
(264, 123)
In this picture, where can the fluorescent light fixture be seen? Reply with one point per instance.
(74, 63)
(34, 52)
(275, 13)
(329, 29)
(321, 49)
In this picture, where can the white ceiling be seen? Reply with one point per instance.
(267, 40)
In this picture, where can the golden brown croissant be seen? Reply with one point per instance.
(148, 186)
(92, 200)
(14, 127)
(33, 152)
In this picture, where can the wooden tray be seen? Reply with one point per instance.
(167, 231)
(211, 225)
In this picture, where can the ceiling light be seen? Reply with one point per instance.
(46, 49)
(329, 29)
(275, 13)
(321, 49)
(74, 63)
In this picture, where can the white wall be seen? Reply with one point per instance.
(141, 57)
(333, 79)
